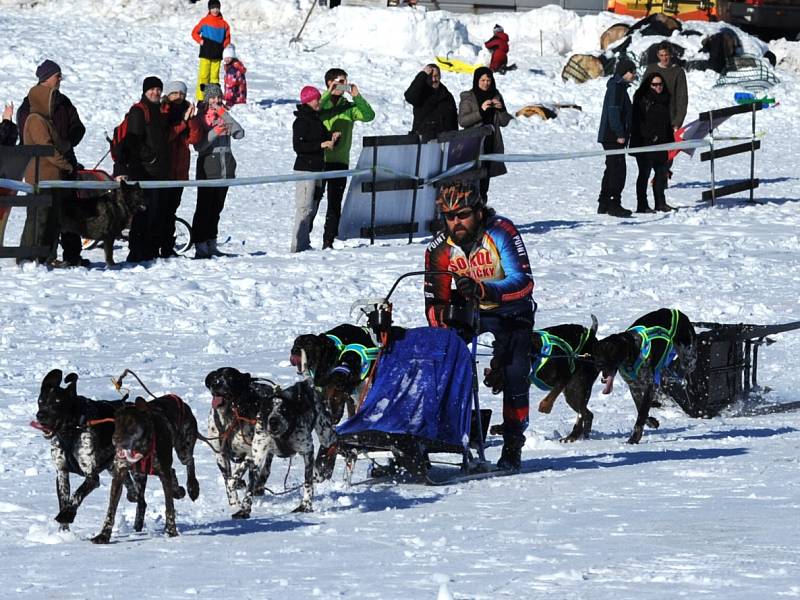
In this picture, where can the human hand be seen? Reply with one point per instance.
(354, 90)
(190, 112)
(621, 141)
(487, 104)
(8, 111)
(335, 136)
(428, 69)
(327, 145)
(121, 178)
(469, 288)
(497, 104)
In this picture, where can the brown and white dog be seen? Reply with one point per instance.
(145, 435)
(236, 400)
(79, 430)
(654, 353)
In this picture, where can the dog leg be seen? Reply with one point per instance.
(546, 405)
(642, 396)
(256, 483)
(113, 501)
(67, 514)
(140, 481)
(108, 251)
(169, 504)
(308, 483)
(177, 489)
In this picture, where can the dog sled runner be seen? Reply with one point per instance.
(423, 397)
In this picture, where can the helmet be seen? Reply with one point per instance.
(457, 195)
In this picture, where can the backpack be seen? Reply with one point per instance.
(118, 145)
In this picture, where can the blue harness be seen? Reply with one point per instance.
(550, 341)
(648, 336)
(367, 355)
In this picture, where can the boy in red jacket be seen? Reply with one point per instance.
(213, 34)
(235, 81)
(498, 45)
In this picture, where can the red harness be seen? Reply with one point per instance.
(145, 465)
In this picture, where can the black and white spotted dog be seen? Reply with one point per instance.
(656, 354)
(284, 427)
(80, 431)
(236, 400)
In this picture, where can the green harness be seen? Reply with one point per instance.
(367, 355)
(550, 341)
(648, 336)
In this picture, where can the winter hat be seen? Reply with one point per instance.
(46, 70)
(624, 65)
(497, 29)
(211, 90)
(309, 94)
(214, 4)
(152, 82)
(175, 86)
(229, 52)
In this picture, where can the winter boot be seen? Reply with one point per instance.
(616, 210)
(643, 207)
(513, 440)
(663, 207)
(213, 250)
(201, 250)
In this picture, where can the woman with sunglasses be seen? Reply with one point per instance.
(651, 125)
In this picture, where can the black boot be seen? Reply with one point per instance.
(663, 207)
(513, 440)
(616, 210)
(643, 207)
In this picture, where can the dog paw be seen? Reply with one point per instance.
(653, 422)
(101, 538)
(241, 514)
(171, 530)
(258, 491)
(239, 484)
(194, 489)
(178, 492)
(67, 515)
(303, 508)
(636, 436)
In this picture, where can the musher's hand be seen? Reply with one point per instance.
(469, 288)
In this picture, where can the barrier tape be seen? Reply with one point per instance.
(379, 169)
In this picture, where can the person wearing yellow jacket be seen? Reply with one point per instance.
(339, 115)
(213, 34)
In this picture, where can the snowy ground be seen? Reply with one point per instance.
(700, 509)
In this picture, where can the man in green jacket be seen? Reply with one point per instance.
(339, 114)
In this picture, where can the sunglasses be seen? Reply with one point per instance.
(656, 85)
(461, 215)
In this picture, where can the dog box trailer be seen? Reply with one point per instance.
(727, 365)
(685, 10)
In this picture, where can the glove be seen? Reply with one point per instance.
(469, 288)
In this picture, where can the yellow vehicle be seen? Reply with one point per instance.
(686, 10)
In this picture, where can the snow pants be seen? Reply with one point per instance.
(207, 72)
(658, 162)
(307, 195)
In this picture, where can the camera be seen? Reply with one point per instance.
(343, 87)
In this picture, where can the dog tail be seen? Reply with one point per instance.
(593, 328)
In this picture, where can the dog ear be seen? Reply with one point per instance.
(72, 384)
(141, 404)
(52, 380)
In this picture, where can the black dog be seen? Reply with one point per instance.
(284, 427)
(558, 365)
(236, 400)
(103, 216)
(659, 346)
(79, 430)
(338, 361)
(144, 437)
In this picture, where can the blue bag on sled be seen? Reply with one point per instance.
(422, 389)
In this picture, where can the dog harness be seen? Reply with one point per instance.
(550, 341)
(146, 464)
(367, 355)
(649, 335)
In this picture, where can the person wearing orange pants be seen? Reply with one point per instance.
(213, 34)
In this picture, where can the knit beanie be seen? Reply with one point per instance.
(214, 4)
(175, 86)
(46, 70)
(497, 29)
(624, 65)
(152, 82)
(309, 94)
(211, 90)
(229, 52)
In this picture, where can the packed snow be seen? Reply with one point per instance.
(700, 508)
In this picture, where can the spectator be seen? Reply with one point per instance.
(310, 139)
(213, 34)
(42, 224)
(498, 45)
(484, 105)
(615, 129)
(675, 82)
(214, 161)
(235, 81)
(8, 131)
(146, 157)
(651, 125)
(434, 107)
(487, 253)
(338, 115)
(184, 130)
(70, 130)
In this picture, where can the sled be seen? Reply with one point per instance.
(423, 394)
(456, 66)
(726, 369)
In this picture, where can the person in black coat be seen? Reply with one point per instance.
(615, 129)
(651, 125)
(434, 106)
(70, 129)
(8, 131)
(146, 158)
(310, 139)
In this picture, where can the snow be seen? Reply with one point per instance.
(701, 508)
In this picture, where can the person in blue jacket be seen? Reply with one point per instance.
(487, 253)
(616, 121)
